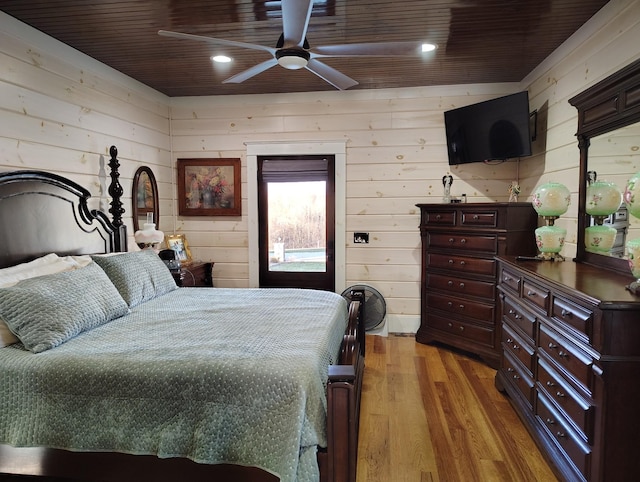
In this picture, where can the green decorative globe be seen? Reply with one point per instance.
(631, 195)
(603, 198)
(551, 199)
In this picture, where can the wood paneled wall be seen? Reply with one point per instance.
(60, 111)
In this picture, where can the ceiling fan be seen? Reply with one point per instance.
(292, 49)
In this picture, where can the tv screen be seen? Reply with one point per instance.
(496, 129)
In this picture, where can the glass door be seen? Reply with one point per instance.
(296, 219)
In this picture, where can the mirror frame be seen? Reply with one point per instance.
(608, 105)
(134, 198)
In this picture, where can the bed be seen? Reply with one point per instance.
(117, 374)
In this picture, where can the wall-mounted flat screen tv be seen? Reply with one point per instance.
(495, 129)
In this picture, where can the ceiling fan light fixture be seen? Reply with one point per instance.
(428, 47)
(292, 59)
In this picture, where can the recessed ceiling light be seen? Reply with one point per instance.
(429, 47)
(221, 58)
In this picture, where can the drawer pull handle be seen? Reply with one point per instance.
(566, 313)
(462, 328)
(563, 354)
(450, 325)
(506, 279)
(461, 307)
(509, 341)
(462, 285)
(509, 370)
(552, 346)
(560, 395)
(462, 263)
(450, 283)
(463, 241)
(561, 434)
(516, 377)
(531, 293)
(518, 316)
(451, 240)
(450, 261)
(476, 217)
(449, 304)
(551, 421)
(512, 312)
(550, 383)
(438, 217)
(516, 347)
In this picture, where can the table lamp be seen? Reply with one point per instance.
(149, 237)
(603, 199)
(551, 200)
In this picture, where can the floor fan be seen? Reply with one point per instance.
(375, 308)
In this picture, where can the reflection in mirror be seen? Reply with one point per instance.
(615, 157)
(144, 198)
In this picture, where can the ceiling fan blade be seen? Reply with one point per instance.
(391, 49)
(201, 38)
(253, 71)
(330, 75)
(295, 20)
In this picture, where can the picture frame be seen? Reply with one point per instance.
(209, 187)
(178, 243)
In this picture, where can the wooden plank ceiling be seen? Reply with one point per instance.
(479, 40)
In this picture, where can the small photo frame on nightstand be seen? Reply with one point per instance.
(178, 242)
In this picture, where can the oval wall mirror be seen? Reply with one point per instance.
(144, 198)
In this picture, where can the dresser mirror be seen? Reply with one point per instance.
(609, 143)
(144, 198)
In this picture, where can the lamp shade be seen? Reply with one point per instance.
(550, 239)
(551, 199)
(603, 198)
(600, 238)
(149, 237)
(632, 195)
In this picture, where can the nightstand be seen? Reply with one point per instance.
(196, 273)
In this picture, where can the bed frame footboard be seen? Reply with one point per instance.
(338, 463)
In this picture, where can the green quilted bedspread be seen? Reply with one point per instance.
(215, 375)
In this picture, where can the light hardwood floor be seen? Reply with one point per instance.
(433, 414)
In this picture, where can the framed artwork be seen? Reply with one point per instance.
(209, 187)
(178, 242)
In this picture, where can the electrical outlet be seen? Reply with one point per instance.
(361, 238)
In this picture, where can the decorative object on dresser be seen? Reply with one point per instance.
(603, 199)
(551, 200)
(458, 274)
(447, 182)
(632, 200)
(571, 365)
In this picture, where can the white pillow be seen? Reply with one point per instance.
(26, 267)
(49, 264)
(6, 337)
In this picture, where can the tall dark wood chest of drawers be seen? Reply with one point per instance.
(458, 280)
(571, 365)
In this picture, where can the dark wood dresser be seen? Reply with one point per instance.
(458, 279)
(571, 365)
(196, 273)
